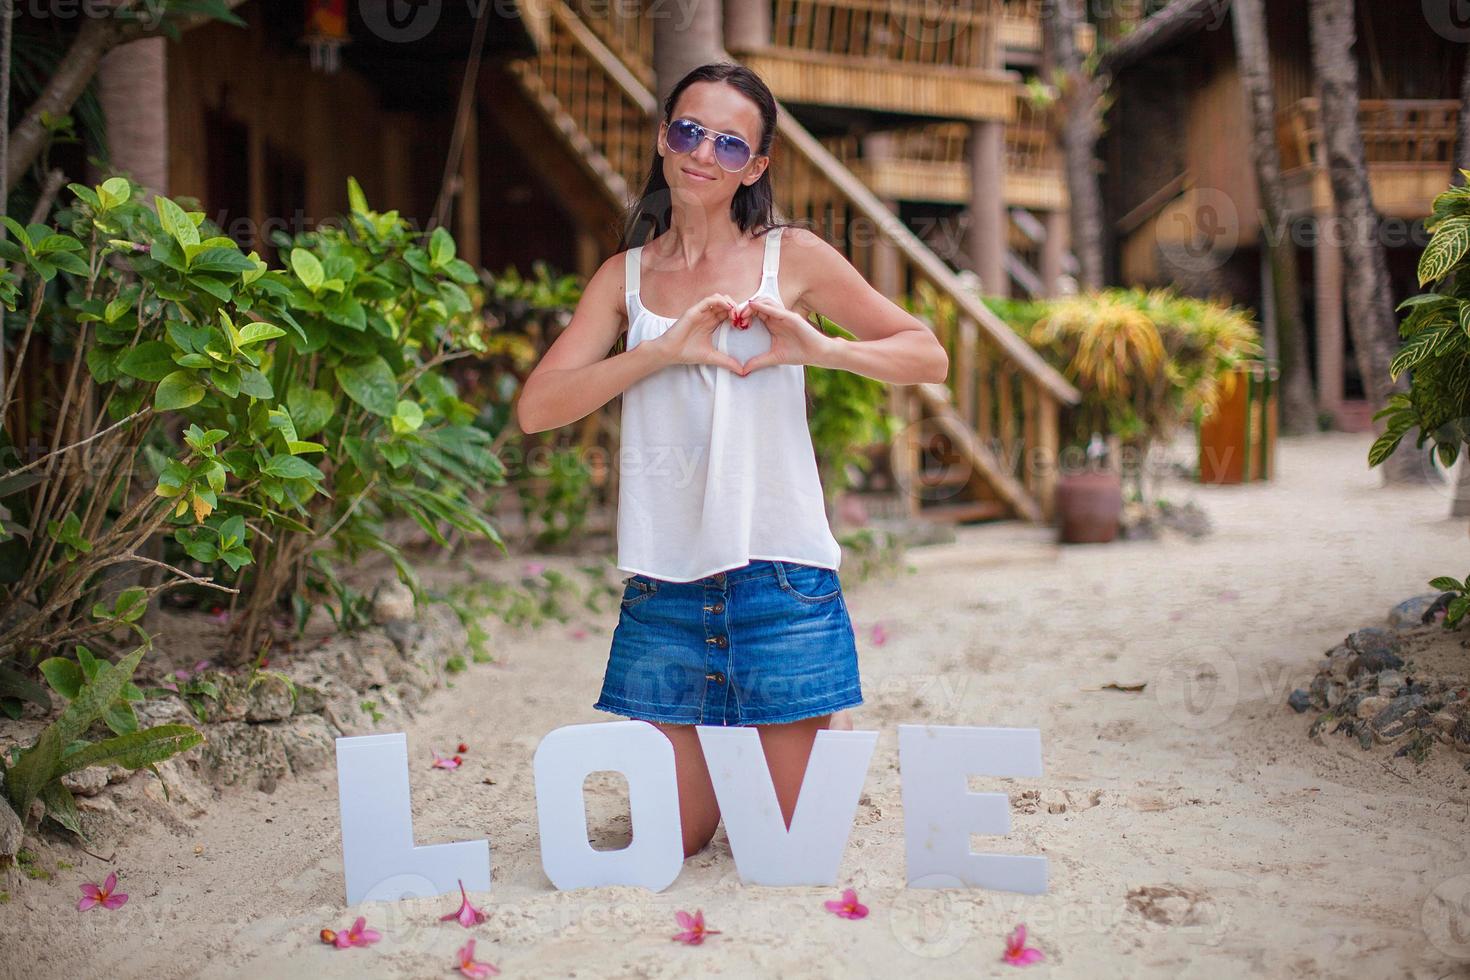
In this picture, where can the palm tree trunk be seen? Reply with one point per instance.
(1370, 298)
(1299, 406)
(685, 38)
(1080, 128)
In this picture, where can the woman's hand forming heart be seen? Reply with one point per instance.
(691, 340)
(794, 340)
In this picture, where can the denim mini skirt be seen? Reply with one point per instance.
(766, 643)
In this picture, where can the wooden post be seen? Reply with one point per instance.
(1327, 277)
(987, 206)
(467, 202)
(1046, 459)
(1053, 252)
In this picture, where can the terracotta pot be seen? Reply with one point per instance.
(1089, 506)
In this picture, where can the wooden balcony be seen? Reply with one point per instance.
(903, 56)
(1410, 145)
(929, 163)
(1021, 33)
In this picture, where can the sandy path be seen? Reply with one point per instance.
(1261, 853)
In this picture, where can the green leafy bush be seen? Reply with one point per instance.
(270, 419)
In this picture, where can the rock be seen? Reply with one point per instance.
(1371, 706)
(405, 633)
(1396, 710)
(1445, 720)
(238, 752)
(268, 698)
(1461, 733)
(11, 831)
(1299, 700)
(1376, 648)
(1411, 612)
(392, 602)
(309, 742)
(356, 659)
(85, 782)
(232, 703)
(1390, 681)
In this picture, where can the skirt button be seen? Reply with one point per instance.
(717, 677)
(718, 607)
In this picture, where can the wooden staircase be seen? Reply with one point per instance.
(981, 446)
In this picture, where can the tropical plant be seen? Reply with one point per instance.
(1144, 361)
(847, 412)
(34, 773)
(1436, 349)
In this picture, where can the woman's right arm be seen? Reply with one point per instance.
(575, 378)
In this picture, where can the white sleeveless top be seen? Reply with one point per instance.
(717, 469)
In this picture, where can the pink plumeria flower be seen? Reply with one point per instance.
(472, 967)
(848, 907)
(358, 935)
(94, 894)
(1017, 952)
(579, 633)
(445, 762)
(693, 928)
(467, 915)
(535, 567)
(879, 635)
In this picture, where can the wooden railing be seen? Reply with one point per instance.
(1021, 25)
(959, 34)
(627, 30)
(1402, 131)
(602, 108)
(1000, 389)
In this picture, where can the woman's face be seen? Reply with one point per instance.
(721, 108)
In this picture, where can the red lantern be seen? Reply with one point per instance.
(326, 32)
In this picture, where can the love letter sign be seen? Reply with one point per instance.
(381, 861)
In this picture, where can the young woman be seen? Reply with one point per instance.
(732, 612)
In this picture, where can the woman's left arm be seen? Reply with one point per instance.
(892, 345)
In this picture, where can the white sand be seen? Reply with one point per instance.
(1258, 851)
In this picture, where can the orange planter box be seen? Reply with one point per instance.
(1237, 442)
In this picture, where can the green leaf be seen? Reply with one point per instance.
(176, 222)
(178, 389)
(64, 676)
(371, 384)
(1445, 583)
(95, 697)
(36, 766)
(14, 684)
(255, 384)
(1450, 242)
(408, 417)
(356, 199)
(117, 189)
(257, 332)
(307, 268)
(151, 360)
(292, 468)
(61, 806)
(135, 750)
(441, 246)
(120, 718)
